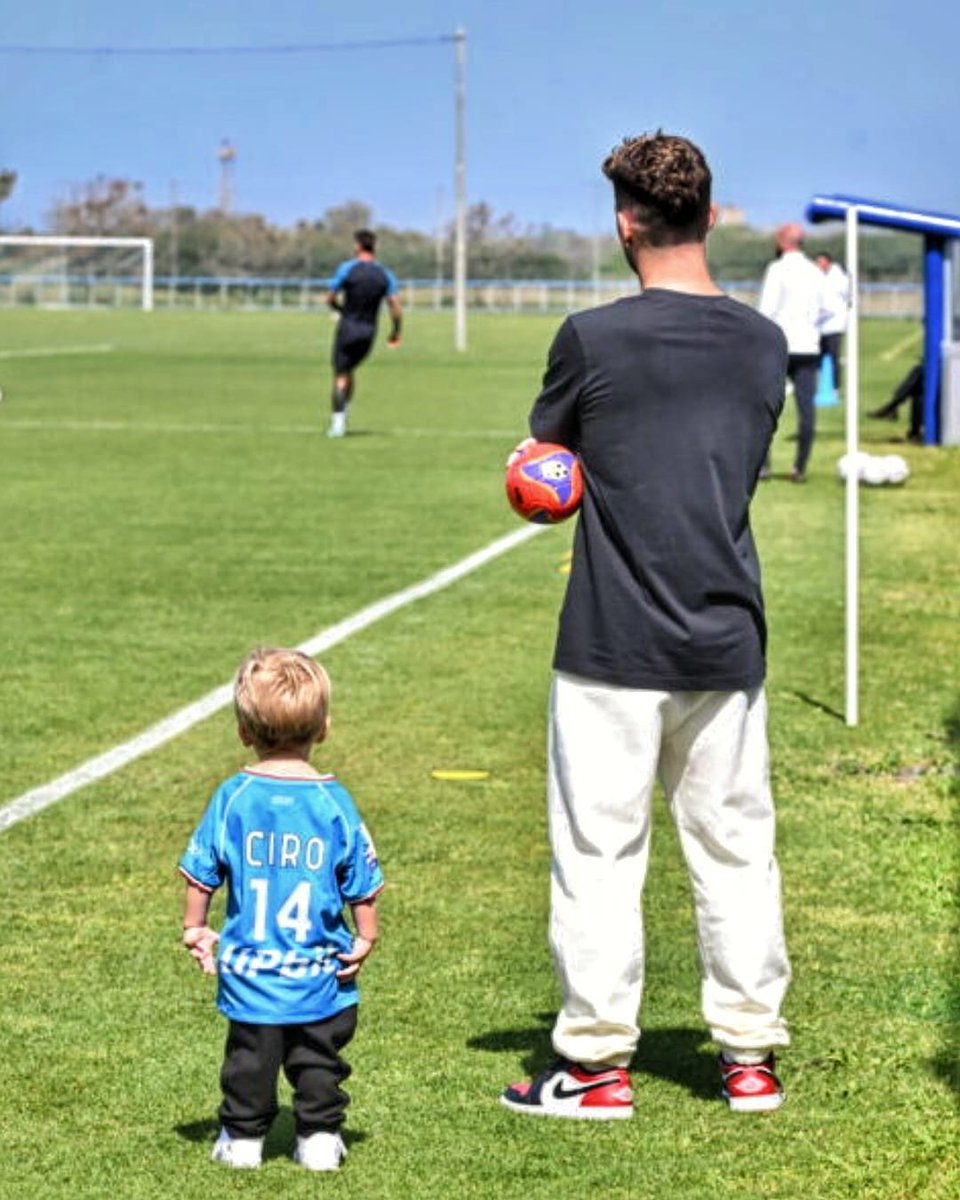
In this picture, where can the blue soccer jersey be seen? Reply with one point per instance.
(364, 284)
(292, 852)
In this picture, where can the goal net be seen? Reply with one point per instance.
(85, 272)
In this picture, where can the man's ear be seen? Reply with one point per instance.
(626, 227)
(713, 217)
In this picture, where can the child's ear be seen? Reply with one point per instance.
(323, 731)
(243, 735)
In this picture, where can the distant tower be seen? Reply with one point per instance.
(227, 156)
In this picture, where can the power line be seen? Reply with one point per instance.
(156, 51)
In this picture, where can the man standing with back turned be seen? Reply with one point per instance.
(836, 295)
(670, 398)
(357, 290)
(793, 294)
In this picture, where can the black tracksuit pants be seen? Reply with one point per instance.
(311, 1060)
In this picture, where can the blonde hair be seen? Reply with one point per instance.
(281, 698)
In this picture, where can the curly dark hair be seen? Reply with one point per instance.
(665, 181)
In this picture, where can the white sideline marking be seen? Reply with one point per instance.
(179, 722)
(54, 351)
(907, 343)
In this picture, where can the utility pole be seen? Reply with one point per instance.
(460, 191)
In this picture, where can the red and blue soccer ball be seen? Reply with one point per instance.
(544, 482)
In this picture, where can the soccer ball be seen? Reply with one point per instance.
(896, 468)
(544, 482)
(875, 469)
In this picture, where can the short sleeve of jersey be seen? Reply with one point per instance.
(358, 873)
(340, 275)
(202, 860)
(392, 287)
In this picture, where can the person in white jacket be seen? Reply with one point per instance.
(793, 295)
(836, 286)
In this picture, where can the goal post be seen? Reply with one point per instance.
(43, 258)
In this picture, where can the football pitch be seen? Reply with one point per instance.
(170, 500)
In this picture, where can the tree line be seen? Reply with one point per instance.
(190, 243)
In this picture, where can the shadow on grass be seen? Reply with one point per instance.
(279, 1142)
(679, 1056)
(946, 1064)
(198, 1131)
(818, 704)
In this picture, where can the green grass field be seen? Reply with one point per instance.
(170, 500)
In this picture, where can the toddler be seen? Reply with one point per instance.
(293, 851)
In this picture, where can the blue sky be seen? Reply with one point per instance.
(857, 96)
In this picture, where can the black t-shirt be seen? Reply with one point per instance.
(671, 400)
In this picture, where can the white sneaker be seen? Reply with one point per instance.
(320, 1152)
(246, 1153)
(338, 425)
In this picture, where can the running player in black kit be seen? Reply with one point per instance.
(357, 290)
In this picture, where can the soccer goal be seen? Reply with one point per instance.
(67, 272)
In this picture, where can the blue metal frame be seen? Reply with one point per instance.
(937, 229)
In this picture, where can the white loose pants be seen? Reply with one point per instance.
(607, 747)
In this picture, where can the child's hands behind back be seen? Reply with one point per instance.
(201, 940)
(356, 958)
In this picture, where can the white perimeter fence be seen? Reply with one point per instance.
(900, 300)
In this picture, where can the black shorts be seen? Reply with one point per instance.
(351, 346)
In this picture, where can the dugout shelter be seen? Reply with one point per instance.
(941, 309)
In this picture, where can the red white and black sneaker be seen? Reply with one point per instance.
(568, 1090)
(751, 1088)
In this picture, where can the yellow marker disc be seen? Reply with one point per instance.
(453, 776)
